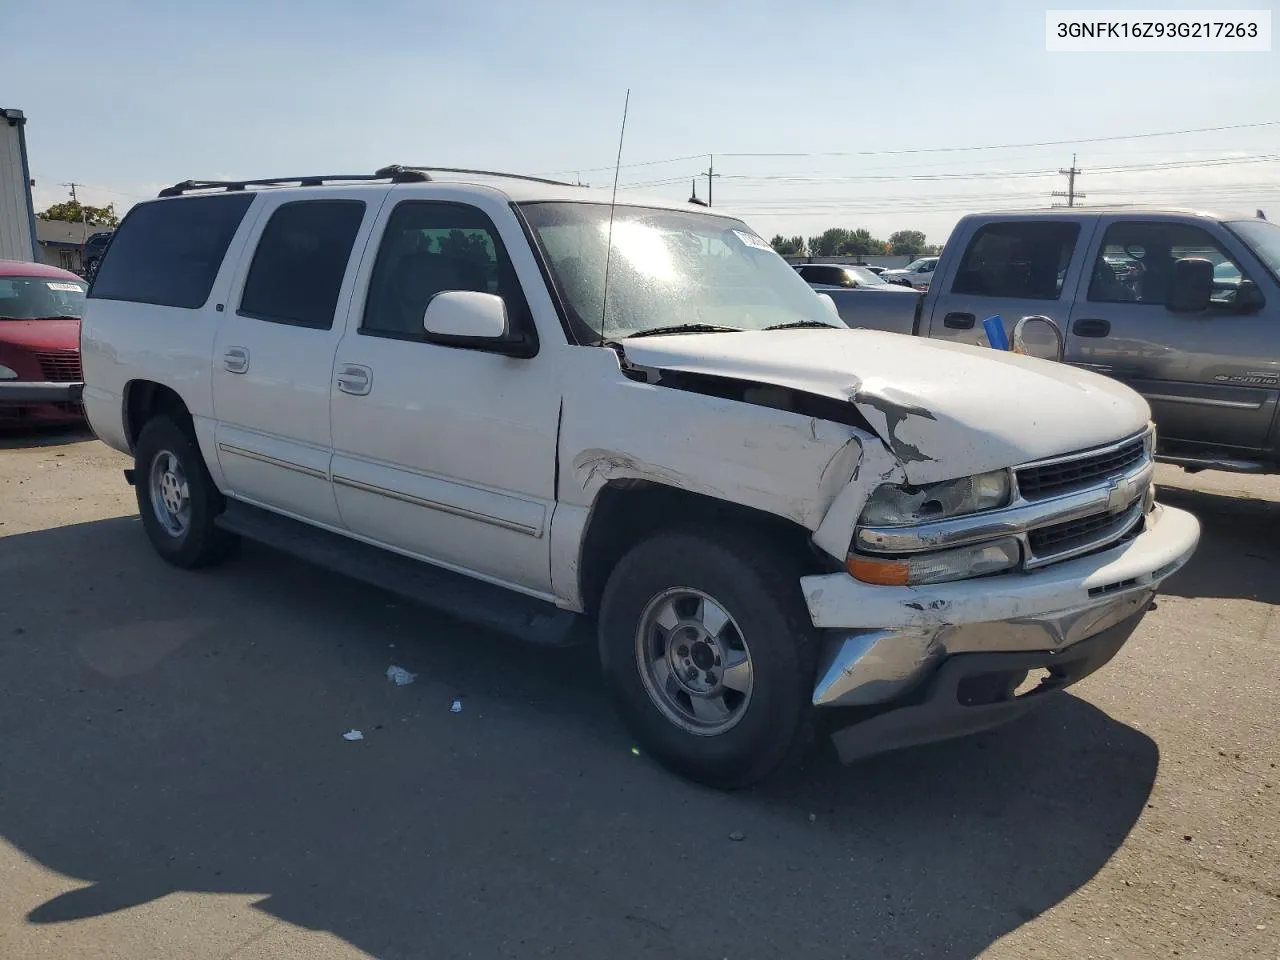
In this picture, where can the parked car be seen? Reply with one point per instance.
(847, 276)
(91, 254)
(40, 309)
(764, 515)
(1184, 307)
(916, 274)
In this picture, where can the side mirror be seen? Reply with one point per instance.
(1248, 297)
(1192, 285)
(1038, 336)
(830, 302)
(465, 315)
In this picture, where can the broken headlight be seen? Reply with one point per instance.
(894, 505)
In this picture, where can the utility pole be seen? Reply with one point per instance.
(73, 186)
(710, 174)
(1070, 192)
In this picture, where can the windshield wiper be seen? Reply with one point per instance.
(797, 324)
(683, 328)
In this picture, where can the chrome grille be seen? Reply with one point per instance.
(1090, 532)
(1063, 476)
(60, 366)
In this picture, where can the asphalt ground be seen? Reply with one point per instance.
(174, 781)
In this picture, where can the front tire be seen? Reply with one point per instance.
(707, 646)
(177, 499)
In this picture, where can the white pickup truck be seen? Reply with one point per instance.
(535, 409)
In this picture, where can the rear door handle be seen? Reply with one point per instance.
(236, 360)
(1091, 328)
(355, 379)
(958, 321)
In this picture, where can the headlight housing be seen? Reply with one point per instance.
(893, 505)
(8, 373)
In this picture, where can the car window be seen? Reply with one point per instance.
(300, 261)
(40, 298)
(168, 252)
(430, 247)
(1135, 263)
(1019, 260)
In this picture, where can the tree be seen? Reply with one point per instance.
(788, 246)
(907, 243)
(72, 211)
(860, 243)
(829, 244)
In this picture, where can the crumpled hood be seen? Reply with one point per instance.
(944, 409)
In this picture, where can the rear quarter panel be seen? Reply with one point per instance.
(122, 341)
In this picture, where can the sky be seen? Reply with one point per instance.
(849, 114)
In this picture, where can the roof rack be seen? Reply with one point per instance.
(493, 173)
(395, 173)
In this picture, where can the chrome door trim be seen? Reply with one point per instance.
(436, 505)
(272, 461)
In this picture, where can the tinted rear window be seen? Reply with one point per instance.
(168, 252)
(301, 259)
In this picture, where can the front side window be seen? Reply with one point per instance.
(431, 247)
(168, 252)
(668, 268)
(40, 298)
(1263, 238)
(1135, 263)
(302, 257)
(1025, 261)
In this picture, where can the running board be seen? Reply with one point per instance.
(456, 594)
(1196, 464)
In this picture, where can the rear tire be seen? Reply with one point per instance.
(177, 499)
(707, 645)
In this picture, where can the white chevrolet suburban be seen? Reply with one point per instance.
(537, 409)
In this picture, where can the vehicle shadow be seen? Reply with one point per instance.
(1238, 547)
(21, 438)
(172, 731)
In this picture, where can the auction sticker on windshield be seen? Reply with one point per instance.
(65, 287)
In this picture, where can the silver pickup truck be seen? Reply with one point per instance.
(1184, 307)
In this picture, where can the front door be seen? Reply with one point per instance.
(1011, 269)
(273, 357)
(1202, 374)
(442, 452)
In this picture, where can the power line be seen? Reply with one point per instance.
(924, 150)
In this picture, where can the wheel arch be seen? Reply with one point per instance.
(145, 399)
(626, 511)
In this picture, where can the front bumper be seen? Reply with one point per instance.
(24, 392)
(884, 645)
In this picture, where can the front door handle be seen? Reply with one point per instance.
(1091, 328)
(958, 321)
(236, 360)
(355, 379)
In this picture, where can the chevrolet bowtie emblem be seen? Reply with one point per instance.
(1120, 495)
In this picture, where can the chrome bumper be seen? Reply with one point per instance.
(28, 391)
(884, 642)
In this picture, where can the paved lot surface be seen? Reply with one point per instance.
(174, 782)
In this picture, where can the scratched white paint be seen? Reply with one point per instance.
(948, 410)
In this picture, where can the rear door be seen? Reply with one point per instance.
(1010, 268)
(273, 358)
(1207, 376)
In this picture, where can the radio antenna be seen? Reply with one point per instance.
(613, 203)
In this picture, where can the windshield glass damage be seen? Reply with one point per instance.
(669, 270)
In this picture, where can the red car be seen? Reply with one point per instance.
(40, 309)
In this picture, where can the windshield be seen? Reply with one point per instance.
(40, 298)
(866, 277)
(1263, 238)
(669, 268)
